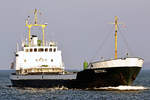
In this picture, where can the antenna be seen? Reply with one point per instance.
(17, 47)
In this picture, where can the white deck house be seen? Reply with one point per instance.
(39, 59)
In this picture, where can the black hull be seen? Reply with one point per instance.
(43, 83)
(89, 78)
(104, 77)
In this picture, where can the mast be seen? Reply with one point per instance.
(35, 24)
(116, 30)
(35, 16)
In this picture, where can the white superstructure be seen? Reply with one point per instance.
(39, 59)
(36, 56)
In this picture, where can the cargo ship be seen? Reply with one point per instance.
(38, 63)
(111, 72)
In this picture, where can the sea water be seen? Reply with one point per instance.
(139, 91)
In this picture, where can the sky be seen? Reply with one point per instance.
(81, 28)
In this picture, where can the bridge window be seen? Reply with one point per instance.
(31, 50)
(35, 49)
(54, 49)
(50, 50)
(40, 49)
(46, 49)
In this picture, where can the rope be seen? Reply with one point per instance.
(126, 43)
(101, 46)
(105, 40)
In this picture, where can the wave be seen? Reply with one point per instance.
(118, 88)
(42, 89)
(124, 88)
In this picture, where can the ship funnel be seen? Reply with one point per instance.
(34, 40)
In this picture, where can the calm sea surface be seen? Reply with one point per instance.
(13, 93)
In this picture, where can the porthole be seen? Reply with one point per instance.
(26, 50)
(25, 60)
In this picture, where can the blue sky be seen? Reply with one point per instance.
(79, 27)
